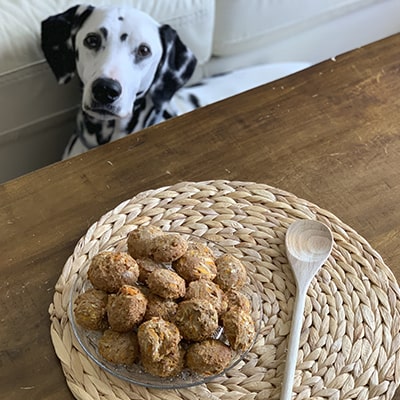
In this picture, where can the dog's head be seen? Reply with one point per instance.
(119, 54)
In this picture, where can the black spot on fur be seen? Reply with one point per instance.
(104, 32)
(81, 18)
(166, 87)
(93, 128)
(189, 70)
(98, 129)
(123, 37)
(167, 114)
(138, 107)
(176, 67)
(120, 18)
(72, 143)
(194, 100)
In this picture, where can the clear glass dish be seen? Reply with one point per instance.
(135, 374)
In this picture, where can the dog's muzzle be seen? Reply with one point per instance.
(106, 91)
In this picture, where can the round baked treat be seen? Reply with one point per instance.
(200, 248)
(160, 307)
(197, 263)
(237, 298)
(168, 247)
(166, 284)
(146, 266)
(140, 240)
(209, 357)
(119, 348)
(90, 309)
(126, 309)
(239, 329)
(231, 273)
(197, 319)
(207, 290)
(169, 366)
(157, 339)
(110, 270)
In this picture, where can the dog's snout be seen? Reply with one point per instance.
(106, 90)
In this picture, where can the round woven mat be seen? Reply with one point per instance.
(349, 347)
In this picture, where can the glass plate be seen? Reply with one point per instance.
(135, 374)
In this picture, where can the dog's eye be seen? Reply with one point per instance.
(143, 51)
(92, 41)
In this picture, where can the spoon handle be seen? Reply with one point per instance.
(293, 347)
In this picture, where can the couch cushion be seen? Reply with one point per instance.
(245, 25)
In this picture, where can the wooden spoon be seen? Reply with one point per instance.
(308, 245)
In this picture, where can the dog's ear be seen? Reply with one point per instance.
(57, 40)
(175, 69)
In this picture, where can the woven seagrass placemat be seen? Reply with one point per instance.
(349, 347)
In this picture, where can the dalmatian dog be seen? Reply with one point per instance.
(129, 67)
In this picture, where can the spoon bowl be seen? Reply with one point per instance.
(308, 245)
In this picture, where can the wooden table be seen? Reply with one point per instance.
(329, 134)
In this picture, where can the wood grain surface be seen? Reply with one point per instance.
(329, 134)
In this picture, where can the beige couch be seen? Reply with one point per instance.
(37, 115)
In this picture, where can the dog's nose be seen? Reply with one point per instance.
(106, 90)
